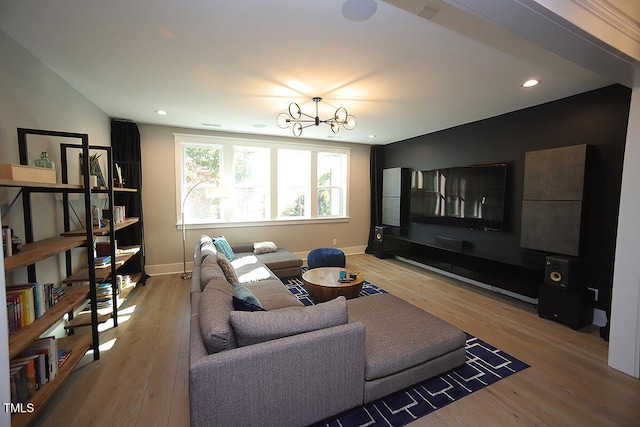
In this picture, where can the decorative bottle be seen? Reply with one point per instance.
(45, 162)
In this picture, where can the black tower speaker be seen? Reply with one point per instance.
(573, 308)
(563, 272)
(378, 240)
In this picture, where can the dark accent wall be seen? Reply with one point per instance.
(598, 118)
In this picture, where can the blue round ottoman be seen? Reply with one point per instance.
(326, 257)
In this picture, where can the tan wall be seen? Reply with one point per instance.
(163, 236)
(33, 96)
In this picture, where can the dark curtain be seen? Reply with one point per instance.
(125, 143)
(375, 172)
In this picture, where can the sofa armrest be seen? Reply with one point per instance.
(297, 380)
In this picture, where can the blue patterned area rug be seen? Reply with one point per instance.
(485, 365)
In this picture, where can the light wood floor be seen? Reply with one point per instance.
(143, 379)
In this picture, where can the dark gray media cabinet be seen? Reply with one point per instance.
(517, 275)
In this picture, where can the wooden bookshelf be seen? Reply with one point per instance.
(84, 319)
(21, 339)
(39, 185)
(78, 344)
(103, 231)
(31, 253)
(102, 273)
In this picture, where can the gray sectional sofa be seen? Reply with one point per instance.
(294, 365)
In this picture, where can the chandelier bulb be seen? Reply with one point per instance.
(297, 129)
(294, 110)
(341, 115)
(283, 120)
(350, 123)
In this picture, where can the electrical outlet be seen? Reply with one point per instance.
(335, 242)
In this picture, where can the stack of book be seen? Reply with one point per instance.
(104, 295)
(27, 302)
(37, 365)
(102, 261)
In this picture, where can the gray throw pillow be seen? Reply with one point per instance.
(216, 302)
(252, 327)
(227, 268)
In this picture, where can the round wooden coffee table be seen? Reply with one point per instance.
(323, 285)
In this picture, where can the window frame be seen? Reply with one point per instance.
(226, 144)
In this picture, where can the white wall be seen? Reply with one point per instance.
(32, 96)
(624, 338)
(163, 238)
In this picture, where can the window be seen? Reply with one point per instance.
(331, 177)
(200, 180)
(250, 196)
(227, 180)
(294, 183)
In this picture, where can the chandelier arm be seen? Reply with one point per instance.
(307, 115)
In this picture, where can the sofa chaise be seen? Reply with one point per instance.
(287, 364)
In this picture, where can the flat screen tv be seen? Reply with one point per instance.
(468, 196)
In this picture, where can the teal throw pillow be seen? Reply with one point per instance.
(223, 246)
(243, 293)
(242, 305)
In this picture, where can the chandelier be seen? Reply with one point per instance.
(340, 119)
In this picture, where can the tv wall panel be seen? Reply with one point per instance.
(551, 226)
(553, 193)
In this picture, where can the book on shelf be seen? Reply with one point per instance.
(27, 302)
(35, 366)
(104, 248)
(24, 371)
(63, 355)
(102, 261)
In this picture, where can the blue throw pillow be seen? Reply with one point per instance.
(242, 305)
(223, 246)
(243, 293)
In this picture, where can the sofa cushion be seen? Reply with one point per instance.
(259, 326)
(280, 259)
(216, 302)
(249, 268)
(227, 269)
(206, 247)
(223, 246)
(272, 294)
(210, 269)
(400, 335)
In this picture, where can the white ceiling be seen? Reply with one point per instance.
(234, 65)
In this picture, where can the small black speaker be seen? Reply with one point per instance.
(378, 240)
(563, 272)
(573, 308)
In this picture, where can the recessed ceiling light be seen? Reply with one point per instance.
(372, 136)
(161, 112)
(359, 10)
(531, 83)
